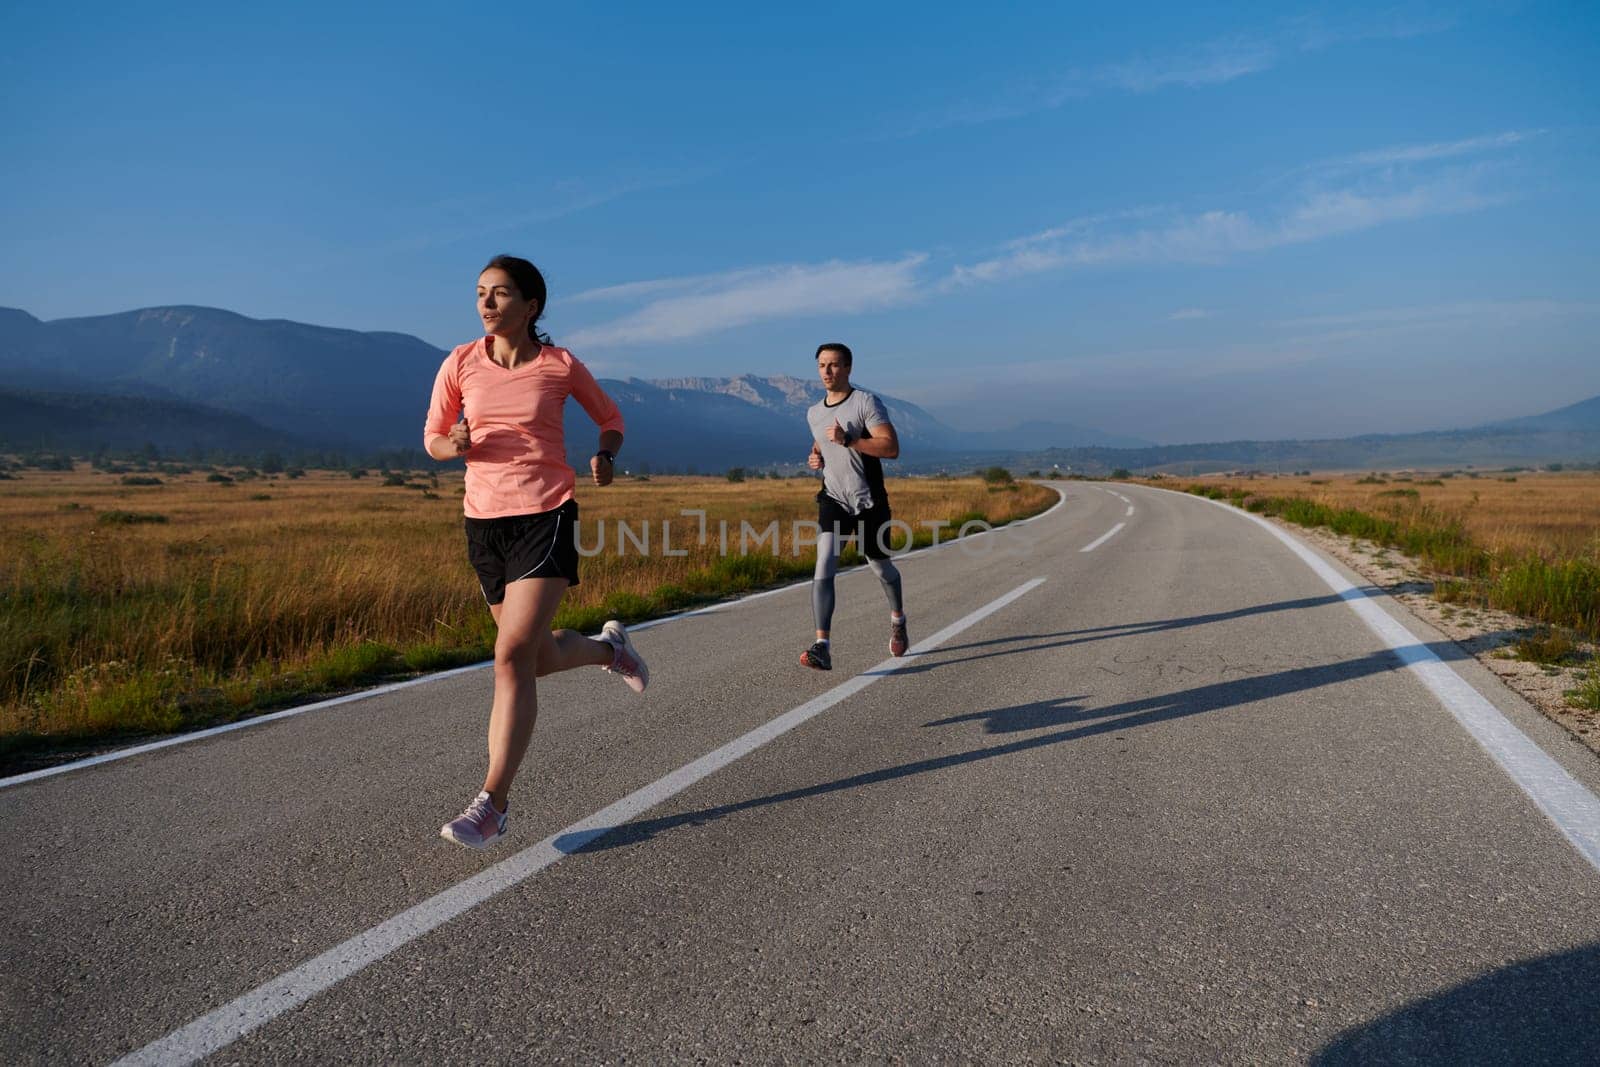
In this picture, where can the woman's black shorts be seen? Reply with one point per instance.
(514, 547)
(872, 539)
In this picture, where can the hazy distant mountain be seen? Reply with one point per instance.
(1030, 436)
(336, 386)
(711, 424)
(1584, 416)
(917, 428)
(84, 423)
(287, 385)
(1569, 434)
(788, 398)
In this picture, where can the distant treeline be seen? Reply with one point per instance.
(149, 457)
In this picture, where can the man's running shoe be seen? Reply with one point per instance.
(897, 637)
(625, 659)
(479, 826)
(816, 657)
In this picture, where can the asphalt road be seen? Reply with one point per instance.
(1176, 802)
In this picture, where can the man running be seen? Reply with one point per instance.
(851, 436)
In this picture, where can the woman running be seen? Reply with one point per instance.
(508, 389)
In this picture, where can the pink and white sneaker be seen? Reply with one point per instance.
(479, 826)
(625, 659)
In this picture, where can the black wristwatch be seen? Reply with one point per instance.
(608, 455)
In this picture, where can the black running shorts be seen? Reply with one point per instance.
(514, 547)
(872, 538)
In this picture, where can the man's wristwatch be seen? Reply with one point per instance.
(607, 455)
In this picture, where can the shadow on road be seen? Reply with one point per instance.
(939, 657)
(1186, 702)
(1545, 1010)
(1080, 722)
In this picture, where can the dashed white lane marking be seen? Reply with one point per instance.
(1562, 798)
(259, 720)
(1103, 538)
(225, 1025)
(1130, 509)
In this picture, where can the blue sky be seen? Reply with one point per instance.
(1181, 222)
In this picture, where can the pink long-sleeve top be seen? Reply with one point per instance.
(518, 461)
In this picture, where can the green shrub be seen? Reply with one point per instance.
(1587, 694)
(353, 662)
(997, 476)
(128, 518)
(1545, 645)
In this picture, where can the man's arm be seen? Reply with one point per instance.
(883, 443)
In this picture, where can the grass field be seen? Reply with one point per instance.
(1523, 541)
(135, 608)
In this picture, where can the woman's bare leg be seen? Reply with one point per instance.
(563, 650)
(524, 621)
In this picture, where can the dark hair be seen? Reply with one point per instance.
(530, 283)
(835, 346)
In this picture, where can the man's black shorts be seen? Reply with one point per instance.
(514, 547)
(872, 537)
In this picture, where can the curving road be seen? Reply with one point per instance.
(1149, 789)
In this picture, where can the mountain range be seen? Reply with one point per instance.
(194, 378)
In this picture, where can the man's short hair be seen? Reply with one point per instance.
(835, 346)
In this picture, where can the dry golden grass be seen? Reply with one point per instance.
(1552, 514)
(271, 589)
(1524, 542)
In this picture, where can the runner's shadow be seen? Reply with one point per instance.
(1537, 1011)
(922, 662)
(1126, 629)
(1040, 715)
(1081, 722)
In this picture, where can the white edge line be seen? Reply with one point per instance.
(221, 1027)
(200, 735)
(1103, 538)
(1561, 797)
(286, 713)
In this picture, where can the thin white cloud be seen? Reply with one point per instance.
(1215, 236)
(1399, 155)
(708, 304)
(1312, 33)
(1215, 62)
(1084, 224)
(545, 205)
(1503, 310)
(636, 290)
(675, 309)
(1211, 64)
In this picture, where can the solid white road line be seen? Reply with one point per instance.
(1103, 538)
(1573, 808)
(225, 1025)
(710, 609)
(183, 739)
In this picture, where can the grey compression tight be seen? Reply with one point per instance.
(828, 566)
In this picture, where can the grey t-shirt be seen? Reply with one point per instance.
(852, 479)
